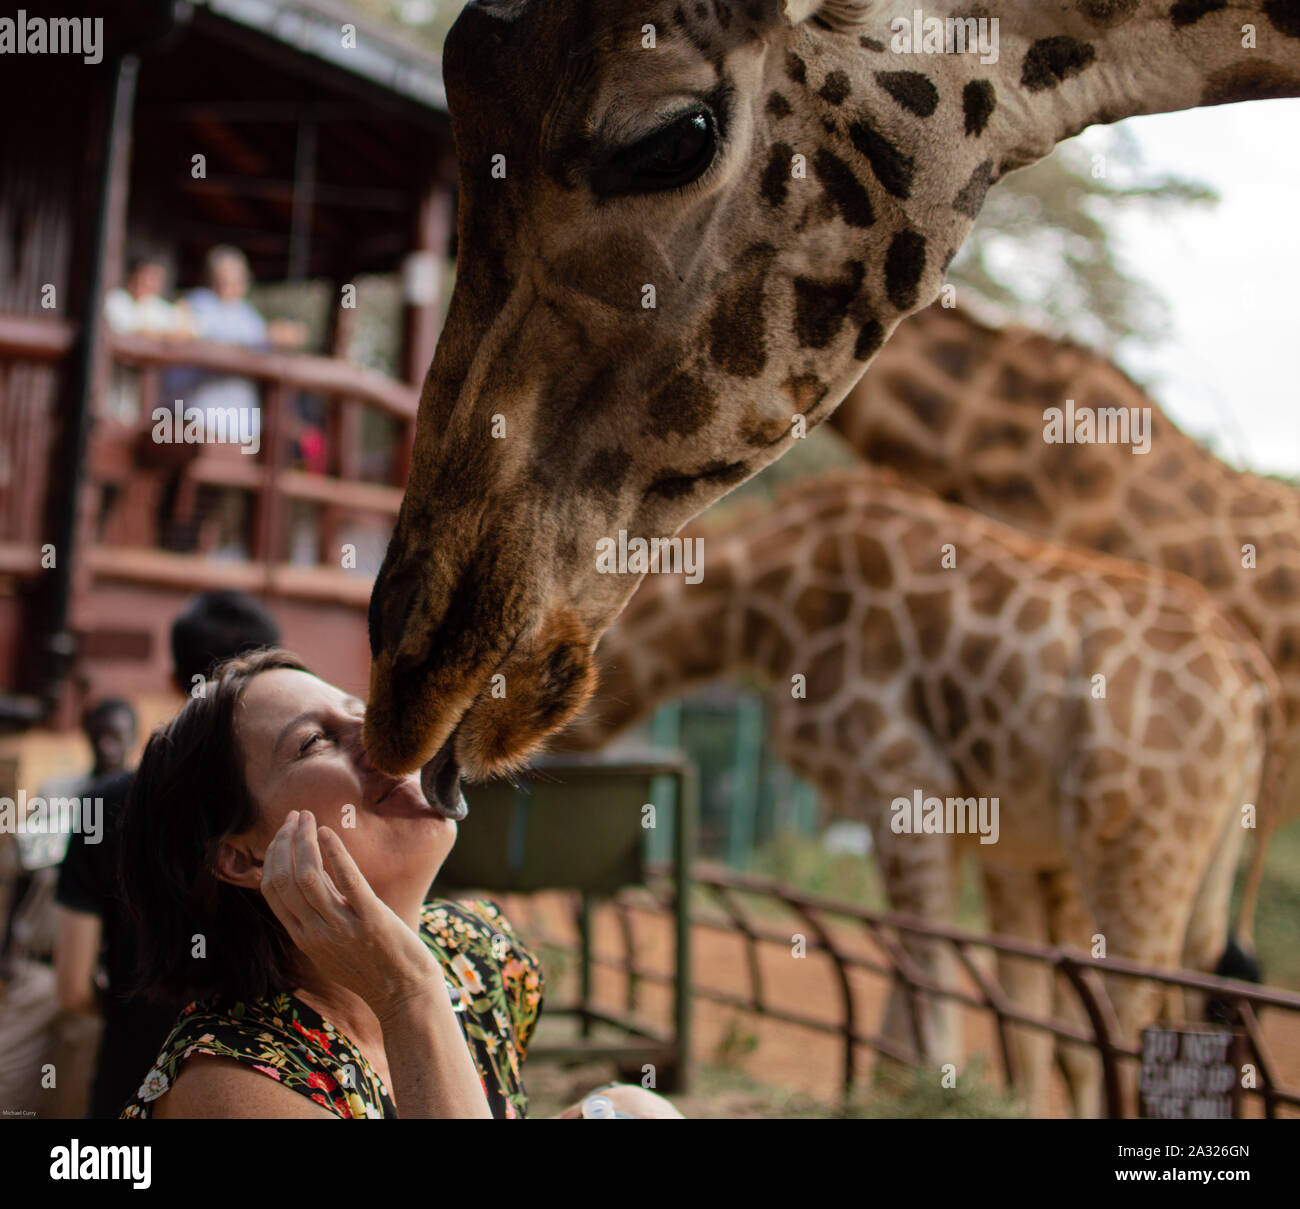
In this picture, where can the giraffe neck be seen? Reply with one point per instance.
(675, 635)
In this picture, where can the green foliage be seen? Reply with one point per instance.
(1043, 250)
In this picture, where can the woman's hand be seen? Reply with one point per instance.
(355, 940)
(351, 936)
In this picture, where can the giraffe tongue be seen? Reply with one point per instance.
(440, 781)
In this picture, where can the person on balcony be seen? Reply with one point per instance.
(329, 985)
(223, 314)
(138, 308)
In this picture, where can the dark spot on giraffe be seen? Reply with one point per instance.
(1202, 495)
(912, 90)
(1051, 61)
(775, 185)
(1189, 12)
(971, 198)
(846, 193)
(998, 433)
(893, 169)
(1285, 16)
(904, 264)
(1033, 615)
(871, 338)
(778, 107)
(835, 87)
(1250, 82)
(988, 589)
(816, 608)
(806, 392)
(875, 568)
(679, 16)
(773, 583)
(702, 12)
(828, 125)
(1108, 13)
(956, 714)
(604, 473)
(722, 13)
(976, 651)
(879, 652)
(1013, 493)
(954, 357)
(931, 616)
(982, 753)
(736, 327)
(826, 675)
(674, 484)
(820, 307)
(930, 408)
(796, 69)
(978, 101)
(682, 405)
(873, 44)
(1011, 679)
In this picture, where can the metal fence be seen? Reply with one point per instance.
(724, 890)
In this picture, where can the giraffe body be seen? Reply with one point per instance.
(962, 408)
(1121, 719)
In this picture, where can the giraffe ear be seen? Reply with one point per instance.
(841, 15)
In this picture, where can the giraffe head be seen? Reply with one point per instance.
(685, 228)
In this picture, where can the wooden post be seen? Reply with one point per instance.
(73, 510)
(422, 288)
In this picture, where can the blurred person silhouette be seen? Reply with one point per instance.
(92, 927)
(35, 1028)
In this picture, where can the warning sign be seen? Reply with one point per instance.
(1188, 1075)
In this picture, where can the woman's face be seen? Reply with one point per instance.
(301, 741)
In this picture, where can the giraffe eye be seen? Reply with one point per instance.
(668, 159)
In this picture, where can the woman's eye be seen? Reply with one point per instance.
(309, 741)
(668, 159)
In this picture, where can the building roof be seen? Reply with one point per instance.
(315, 28)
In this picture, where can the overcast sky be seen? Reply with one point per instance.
(1232, 277)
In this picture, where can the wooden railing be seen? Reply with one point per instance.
(148, 486)
(32, 349)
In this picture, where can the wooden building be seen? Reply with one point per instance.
(319, 147)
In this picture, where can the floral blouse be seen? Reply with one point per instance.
(496, 988)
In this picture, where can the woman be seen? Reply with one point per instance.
(279, 879)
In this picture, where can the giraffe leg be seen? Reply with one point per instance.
(1016, 909)
(918, 881)
(1207, 930)
(1069, 924)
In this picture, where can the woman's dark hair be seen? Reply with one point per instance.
(187, 796)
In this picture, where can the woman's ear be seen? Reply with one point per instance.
(840, 15)
(238, 864)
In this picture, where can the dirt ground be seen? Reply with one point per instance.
(773, 1053)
